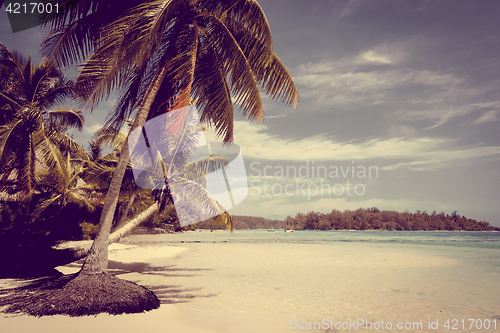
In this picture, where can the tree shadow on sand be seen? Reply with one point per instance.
(167, 294)
(52, 295)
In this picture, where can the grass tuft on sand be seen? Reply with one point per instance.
(79, 295)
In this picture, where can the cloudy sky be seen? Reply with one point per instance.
(409, 90)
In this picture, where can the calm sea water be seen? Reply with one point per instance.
(477, 239)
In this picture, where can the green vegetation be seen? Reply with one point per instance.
(363, 219)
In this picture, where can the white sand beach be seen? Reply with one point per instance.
(270, 287)
(175, 317)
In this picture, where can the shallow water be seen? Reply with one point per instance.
(476, 239)
(336, 277)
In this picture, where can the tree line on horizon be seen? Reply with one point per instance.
(363, 219)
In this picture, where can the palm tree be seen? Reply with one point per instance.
(64, 184)
(187, 178)
(99, 170)
(211, 51)
(162, 54)
(33, 132)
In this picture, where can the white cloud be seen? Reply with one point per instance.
(273, 117)
(420, 154)
(402, 131)
(351, 7)
(419, 94)
(488, 117)
(90, 130)
(371, 56)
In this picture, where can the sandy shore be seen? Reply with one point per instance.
(240, 288)
(150, 266)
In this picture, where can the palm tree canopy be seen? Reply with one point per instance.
(33, 120)
(215, 52)
(75, 30)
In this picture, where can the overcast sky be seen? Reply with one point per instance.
(408, 88)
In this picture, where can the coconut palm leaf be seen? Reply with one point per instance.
(235, 64)
(27, 166)
(109, 136)
(217, 100)
(66, 117)
(203, 167)
(205, 206)
(65, 142)
(81, 200)
(9, 139)
(40, 208)
(54, 161)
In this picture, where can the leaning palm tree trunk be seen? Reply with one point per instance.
(123, 218)
(83, 250)
(97, 260)
(135, 222)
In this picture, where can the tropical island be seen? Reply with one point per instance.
(65, 207)
(362, 219)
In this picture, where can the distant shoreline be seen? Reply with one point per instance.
(361, 219)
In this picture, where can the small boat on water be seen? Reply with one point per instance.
(289, 230)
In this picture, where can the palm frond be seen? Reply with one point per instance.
(193, 201)
(124, 44)
(203, 167)
(99, 174)
(54, 161)
(82, 201)
(109, 136)
(234, 62)
(41, 207)
(269, 71)
(66, 143)
(54, 91)
(66, 117)
(248, 12)
(9, 99)
(225, 220)
(9, 139)
(74, 32)
(212, 92)
(69, 43)
(27, 165)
